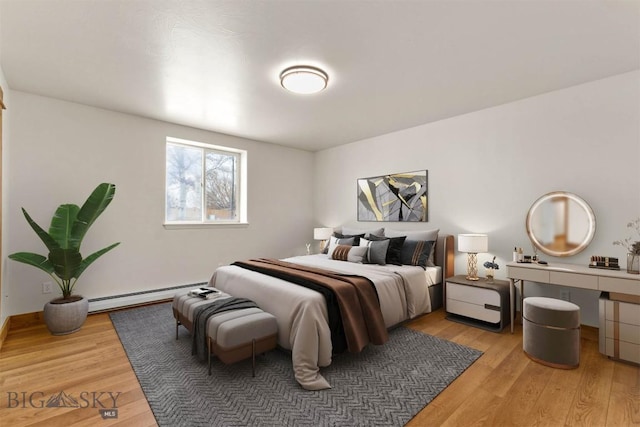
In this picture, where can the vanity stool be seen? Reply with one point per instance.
(551, 332)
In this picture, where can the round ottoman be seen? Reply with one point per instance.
(551, 332)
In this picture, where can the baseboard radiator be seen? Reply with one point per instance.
(136, 298)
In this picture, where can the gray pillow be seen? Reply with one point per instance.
(374, 231)
(394, 248)
(334, 242)
(414, 235)
(376, 252)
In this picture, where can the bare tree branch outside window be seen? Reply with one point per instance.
(199, 176)
(220, 183)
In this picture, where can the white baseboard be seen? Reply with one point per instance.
(137, 298)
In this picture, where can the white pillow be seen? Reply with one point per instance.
(353, 253)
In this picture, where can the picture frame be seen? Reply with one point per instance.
(399, 197)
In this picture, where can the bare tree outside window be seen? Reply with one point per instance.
(184, 178)
(220, 188)
(202, 185)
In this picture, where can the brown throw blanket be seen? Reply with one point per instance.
(356, 297)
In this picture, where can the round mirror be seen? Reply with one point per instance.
(560, 224)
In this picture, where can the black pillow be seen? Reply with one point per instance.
(395, 248)
(416, 252)
(356, 237)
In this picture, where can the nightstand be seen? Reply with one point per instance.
(478, 303)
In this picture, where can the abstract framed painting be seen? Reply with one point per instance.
(398, 197)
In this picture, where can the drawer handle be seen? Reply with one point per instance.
(492, 307)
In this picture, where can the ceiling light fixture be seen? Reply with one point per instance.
(304, 79)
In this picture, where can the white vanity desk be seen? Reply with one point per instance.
(578, 276)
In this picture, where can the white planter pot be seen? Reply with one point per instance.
(66, 318)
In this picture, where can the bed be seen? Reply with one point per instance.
(404, 291)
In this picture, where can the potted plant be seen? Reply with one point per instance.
(633, 248)
(491, 267)
(64, 262)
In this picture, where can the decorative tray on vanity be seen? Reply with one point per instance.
(604, 262)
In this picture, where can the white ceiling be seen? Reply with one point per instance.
(392, 64)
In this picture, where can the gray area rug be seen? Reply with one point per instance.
(381, 386)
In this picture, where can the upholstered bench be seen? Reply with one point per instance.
(551, 332)
(232, 336)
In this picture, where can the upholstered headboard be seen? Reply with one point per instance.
(444, 254)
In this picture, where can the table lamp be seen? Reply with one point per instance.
(473, 244)
(323, 234)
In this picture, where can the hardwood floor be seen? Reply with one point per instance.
(502, 388)
(505, 388)
(35, 365)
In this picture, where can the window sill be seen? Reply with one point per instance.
(196, 225)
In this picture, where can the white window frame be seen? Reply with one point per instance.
(241, 187)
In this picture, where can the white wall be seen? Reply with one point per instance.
(487, 168)
(57, 152)
(6, 114)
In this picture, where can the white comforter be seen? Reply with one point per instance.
(302, 313)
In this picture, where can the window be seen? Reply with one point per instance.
(205, 184)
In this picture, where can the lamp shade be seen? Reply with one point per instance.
(322, 233)
(473, 243)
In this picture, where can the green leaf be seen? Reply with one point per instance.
(61, 224)
(91, 258)
(48, 241)
(35, 260)
(65, 262)
(66, 288)
(68, 227)
(91, 210)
